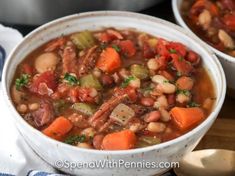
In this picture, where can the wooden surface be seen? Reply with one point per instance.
(222, 133)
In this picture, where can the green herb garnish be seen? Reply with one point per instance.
(172, 51)
(71, 79)
(73, 140)
(117, 48)
(193, 104)
(166, 81)
(103, 46)
(185, 92)
(22, 81)
(126, 82)
(181, 58)
(178, 74)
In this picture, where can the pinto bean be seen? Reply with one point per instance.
(226, 39)
(152, 116)
(171, 99)
(185, 83)
(156, 127)
(97, 141)
(147, 101)
(106, 80)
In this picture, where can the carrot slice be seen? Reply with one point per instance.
(59, 127)
(122, 140)
(186, 118)
(109, 60)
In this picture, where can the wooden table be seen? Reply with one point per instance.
(222, 133)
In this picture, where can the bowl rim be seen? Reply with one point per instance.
(22, 122)
(182, 23)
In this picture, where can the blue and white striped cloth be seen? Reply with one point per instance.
(40, 173)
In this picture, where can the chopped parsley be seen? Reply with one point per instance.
(193, 104)
(22, 81)
(126, 82)
(166, 81)
(117, 48)
(178, 74)
(181, 58)
(71, 79)
(103, 46)
(172, 51)
(73, 140)
(185, 92)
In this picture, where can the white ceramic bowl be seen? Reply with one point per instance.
(227, 61)
(52, 151)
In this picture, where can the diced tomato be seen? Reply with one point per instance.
(178, 47)
(167, 75)
(48, 78)
(27, 69)
(131, 92)
(127, 48)
(84, 95)
(181, 65)
(148, 52)
(229, 20)
(192, 57)
(105, 37)
(162, 62)
(109, 36)
(115, 34)
(162, 48)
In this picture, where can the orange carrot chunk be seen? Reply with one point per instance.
(186, 118)
(122, 140)
(58, 128)
(109, 60)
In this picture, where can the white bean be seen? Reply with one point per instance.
(84, 145)
(159, 79)
(152, 64)
(204, 19)
(156, 127)
(16, 95)
(135, 83)
(161, 102)
(45, 62)
(22, 108)
(182, 98)
(89, 132)
(226, 39)
(33, 106)
(165, 115)
(168, 88)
